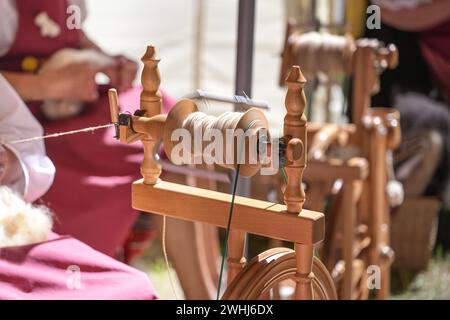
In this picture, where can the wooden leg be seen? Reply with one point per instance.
(379, 209)
(348, 231)
(317, 192)
(384, 291)
(236, 259)
(350, 198)
(387, 257)
(303, 278)
(330, 255)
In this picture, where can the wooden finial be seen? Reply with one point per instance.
(295, 135)
(295, 100)
(151, 101)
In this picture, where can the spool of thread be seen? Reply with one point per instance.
(322, 53)
(201, 123)
(240, 134)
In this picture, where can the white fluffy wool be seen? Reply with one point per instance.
(22, 223)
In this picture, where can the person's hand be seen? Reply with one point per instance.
(75, 82)
(122, 74)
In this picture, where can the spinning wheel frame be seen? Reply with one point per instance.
(290, 222)
(374, 131)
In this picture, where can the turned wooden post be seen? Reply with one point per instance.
(304, 256)
(368, 60)
(351, 193)
(294, 195)
(236, 259)
(380, 253)
(364, 80)
(295, 136)
(151, 105)
(151, 99)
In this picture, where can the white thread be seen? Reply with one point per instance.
(322, 52)
(166, 259)
(199, 121)
(60, 134)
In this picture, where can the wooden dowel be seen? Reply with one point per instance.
(113, 105)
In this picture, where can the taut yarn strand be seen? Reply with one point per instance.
(60, 134)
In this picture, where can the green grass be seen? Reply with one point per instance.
(433, 283)
(154, 265)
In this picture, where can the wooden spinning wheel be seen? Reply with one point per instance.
(358, 224)
(288, 222)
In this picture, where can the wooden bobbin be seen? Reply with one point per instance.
(377, 55)
(364, 59)
(185, 107)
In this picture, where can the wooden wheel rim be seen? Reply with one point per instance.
(272, 267)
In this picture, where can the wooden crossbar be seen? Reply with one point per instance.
(211, 207)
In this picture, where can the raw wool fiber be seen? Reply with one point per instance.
(22, 223)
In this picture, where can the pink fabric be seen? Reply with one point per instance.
(435, 45)
(91, 193)
(28, 37)
(42, 271)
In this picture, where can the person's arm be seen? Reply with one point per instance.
(30, 87)
(26, 168)
(422, 17)
(76, 82)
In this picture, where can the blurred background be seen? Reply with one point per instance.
(197, 42)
